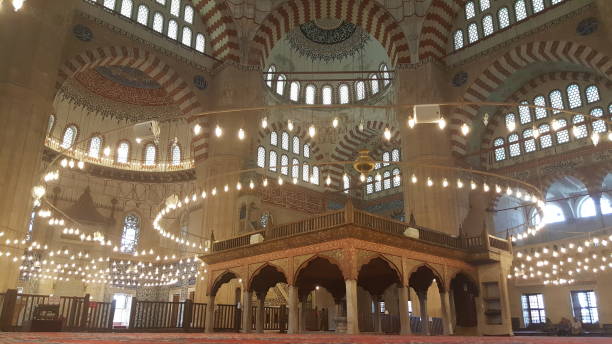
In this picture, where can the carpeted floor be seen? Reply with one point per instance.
(196, 338)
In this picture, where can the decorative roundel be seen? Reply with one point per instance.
(200, 82)
(82, 32)
(460, 79)
(587, 26)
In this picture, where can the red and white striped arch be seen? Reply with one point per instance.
(367, 14)
(437, 26)
(527, 92)
(514, 60)
(220, 28)
(140, 59)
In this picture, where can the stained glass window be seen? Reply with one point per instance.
(188, 15)
(374, 83)
(556, 100)
(470, 10)
(528, 141)
(315, 175)
(175, 7)
(285, 140)
(520, 10)
(487, 25)
(584, 305)
(123, 151)
(280, 84)
(538, 5)
(95, 143)
(296, 145)
(326, 95)
(580, 129)
(306, 172)
(458, 39)
(110, 4)
(540, 112)
(385, 74)
(369, 186)
(173, 29)
(186, 39)
(545, 138)
(395, 155)
(306, 151)
(69, 138)
(130, 234)
(592, 94)
(562, 132)
(176, 154)
(510, 121)
(377, 185)
(360, 90)
(524, 112)
(533, 309)
(158, 22)
(270, 75)
(599, 126)
(200, 42)
(261, 157)
(310, 94)
(344, 94)
(573, 96)
(126, 8)
(284, 164)
(485, 4)
(503, 17)
(472, 33)
(274, 138)
(294, 91)
(143, 15)
(150, 154)
(346, 183)
(387, 180)
(500, 151)
(295, 168)
(386, 157)
(397, 178)
(272, 161)
(514, 146)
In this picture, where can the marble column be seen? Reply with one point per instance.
(377, 320)
(453, 315)
(422, 295)
(352, 315)
(403, 311)
(302, 316)
(210, 314)
(447, 327)
(32, 41)
(261, 313)
(293, 326)
(246, 311)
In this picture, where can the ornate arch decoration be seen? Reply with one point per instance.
(180, 92)
(220, 29)
(223, 278)
(367, 14)
(305, 264)
(512, 61)
(437, 27)
(438, 277)
(264, 266)
(373, 284)
(528, 87)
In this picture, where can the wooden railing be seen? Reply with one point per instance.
(275, 318)
(157, 314)
(370, 221)
(100, 316)
(227, 318)
(198, 316)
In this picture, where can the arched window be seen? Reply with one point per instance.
(175, 153)
(130, 234)
(510, 121)
(343, 91)
(274, 138)
(200, 42)
(606, 207)
(70, 134)
(295, 168)
(285, 140)
(306, 151)
(126, 8)
(470, 10)
(545, 138)
(296, 145)
(514, 146)
(458, 39)
(556, 100)
(272, 161)
(520, 10)
(143, 15)
(188, 15)
(261, 157)
(378, 185)
(294, 91)
(50, 123)
(503, 18)
(528, 141)
(385, 74)
(315, 175)
(524, 112)
(123, 152)
(487, 25)
(395, 155)
(284, 164)
(150, 154)
(386, 157)
(280, 84)
(580, 129)
(472, 33)
(310, 94)
(326, 95)
(592, 94)
(110, 4)
(562, 132)
(500, 151)
(270, 75)
(369, 186)
(158, 22)
(586, 208)
(305, 172)
(540, 112)
(538, 5)
(186, 39)
(599, 126)
(95, 143)
(387, 180)
(346, 183)
(553, 213)
(554, 2)
(374, 83)
(360, 90)
(173, 29)
(573, 96)
(175, 7)
(397, 178)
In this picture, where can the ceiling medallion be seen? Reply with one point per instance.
(327, 39)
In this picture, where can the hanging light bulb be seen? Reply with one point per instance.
(508, 191)
(413, 179)
(238, 186)
(465, 129)
(106, 151)
(280, 180)
(442, 123)
(81, 164)
(429, 181)
(498, 188)
(535, 132)
(610, 136)
(251, 184)
(511, 126)
(411, 122)
(328, 180)
(295, 180)
(290, 125)
(444, 182)
(265, 182)
(595, 138)
(378, 177)
(197, 129)
(362, 177)
(138, 140)
(459, 184)
(18, 4)
(226, 188)
(264, 122)
(555, 124)
(335, 122)
(64, 162)
(361, 125)
(485, 187)
(472, 185)
(312, 131)
(214, 191)
(218, 131)
(387, 134)
(576, 131)
(240, 134)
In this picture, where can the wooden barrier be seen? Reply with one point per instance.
(227, 318)
(275, 318)
(157, 314)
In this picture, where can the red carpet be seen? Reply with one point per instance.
(142, 338)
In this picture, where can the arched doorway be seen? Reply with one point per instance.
(463, 302)
(222, 309)
(260, 317)
(421, 279)
(380, 280)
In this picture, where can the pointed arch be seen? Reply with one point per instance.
(220, 28)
